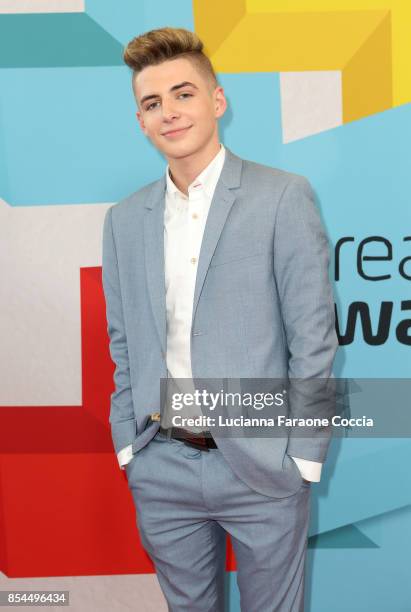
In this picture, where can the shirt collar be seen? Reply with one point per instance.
(206, 180)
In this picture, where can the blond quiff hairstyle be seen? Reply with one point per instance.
(157, 46)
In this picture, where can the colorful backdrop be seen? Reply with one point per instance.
(317, 87)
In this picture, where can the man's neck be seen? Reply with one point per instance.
(185, 169)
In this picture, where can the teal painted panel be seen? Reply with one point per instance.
(56, 40)
(358, 580)
(344, 537)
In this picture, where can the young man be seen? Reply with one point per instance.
(217, 270)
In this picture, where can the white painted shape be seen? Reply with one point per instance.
(311, 102)
(122, 593)
(42, 6)
(42, 249)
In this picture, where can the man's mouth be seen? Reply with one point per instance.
(177, 131)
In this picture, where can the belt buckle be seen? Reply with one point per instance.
(198, 446)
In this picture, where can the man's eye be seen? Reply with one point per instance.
(151, 106)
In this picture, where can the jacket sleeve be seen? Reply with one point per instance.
(122, 419)
(301, 261)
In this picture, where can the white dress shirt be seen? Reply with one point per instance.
(185, 217)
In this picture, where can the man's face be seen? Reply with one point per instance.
(178, 107)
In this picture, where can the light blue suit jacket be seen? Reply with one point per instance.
(263, 308)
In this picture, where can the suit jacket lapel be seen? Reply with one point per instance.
(217, 216)
(220, 207)
(221, 204)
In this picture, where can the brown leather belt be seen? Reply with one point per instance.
(189, 438)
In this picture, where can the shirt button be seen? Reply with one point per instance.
(193, 260)
(194, 216)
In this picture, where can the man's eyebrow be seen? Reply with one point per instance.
(173, 88)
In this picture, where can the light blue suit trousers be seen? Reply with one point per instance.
(187, 500)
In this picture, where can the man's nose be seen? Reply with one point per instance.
(169, 111)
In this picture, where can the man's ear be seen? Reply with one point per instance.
(220, 102)
(138, 113)
(141, 122)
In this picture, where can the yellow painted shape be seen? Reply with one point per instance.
(400, 11)
(214, 21)
(303, 41)
(367, 77)
(316, 6)
(357, 42)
